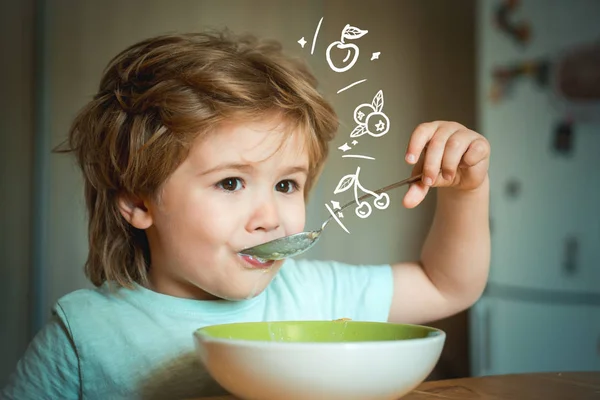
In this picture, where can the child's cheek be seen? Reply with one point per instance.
(297, 219)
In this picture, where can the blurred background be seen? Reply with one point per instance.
(523, 73)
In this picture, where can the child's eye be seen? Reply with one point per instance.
(230, 184)
(286, 186)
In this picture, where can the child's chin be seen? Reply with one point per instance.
(253, 285)
(243, 295)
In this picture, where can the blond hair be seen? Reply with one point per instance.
(155, 98)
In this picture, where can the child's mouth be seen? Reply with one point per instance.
(255, 262)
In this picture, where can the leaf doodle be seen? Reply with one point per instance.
(352, 32)
(358, 131)
(378, 101)
(345, 184)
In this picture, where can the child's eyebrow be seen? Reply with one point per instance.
(228, 166)
(300, 168)
(248, 167)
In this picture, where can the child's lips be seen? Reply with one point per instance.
(255, 262)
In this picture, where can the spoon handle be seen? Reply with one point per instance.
(403, 182)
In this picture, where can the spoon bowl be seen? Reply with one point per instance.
(293, 245)
(284, 247)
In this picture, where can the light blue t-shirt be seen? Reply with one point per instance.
(138, 344)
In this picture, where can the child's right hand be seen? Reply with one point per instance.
(460, 154)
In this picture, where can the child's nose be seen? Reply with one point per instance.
(265, 216)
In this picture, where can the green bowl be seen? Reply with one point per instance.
(319, 359)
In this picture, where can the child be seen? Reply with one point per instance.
(197, 146)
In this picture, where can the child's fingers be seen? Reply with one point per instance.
(418, 140)
(435, 153)
(456, 146)
(478, 151)
(415, 195)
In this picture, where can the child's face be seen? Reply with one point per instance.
(236, 189)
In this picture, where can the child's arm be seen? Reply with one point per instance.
(49, 369)
(455, 258)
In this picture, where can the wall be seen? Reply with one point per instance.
(16, 166)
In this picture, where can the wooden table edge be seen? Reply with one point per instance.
(433, 389)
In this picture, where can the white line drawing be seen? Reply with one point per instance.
(375, 56)
(345, 147)
(370, 118)
(335, 217)
(363, 208)
(303, 41)
(350, 85)
(312, 49)
(348, 33)
(358, 156)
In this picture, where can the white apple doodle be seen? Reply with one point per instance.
(351, 50)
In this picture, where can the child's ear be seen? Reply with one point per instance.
(135, 211)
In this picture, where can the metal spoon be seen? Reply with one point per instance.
(292, 245)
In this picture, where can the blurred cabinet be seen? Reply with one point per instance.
(541, 310)
(548, 236)
(520, 336)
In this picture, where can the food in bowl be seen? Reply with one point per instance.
(299, 360)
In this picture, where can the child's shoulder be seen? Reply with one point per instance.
(103, 301)
(89, 296)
